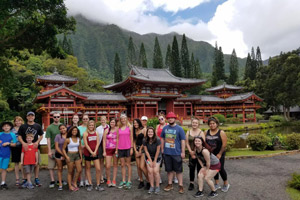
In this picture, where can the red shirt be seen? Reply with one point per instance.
(92, 142)
(29, 155)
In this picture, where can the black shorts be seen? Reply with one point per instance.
(173, 163)
(123, 153)
(100, 151)
(89, 158)
(16, 154)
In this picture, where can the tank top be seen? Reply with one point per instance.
(159, 130)
(124, 138)
(191, 139)
(111, 140)
(213, 159)
(91, 142)
(139, 139)
(72, 146)
(214, 141)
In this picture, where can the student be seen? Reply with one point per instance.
(60, 159)
(210, 166)
(125, 150)
(195, 131)
(82, 128)
(37, 131)
(153, 158)
(7, 139)
(16, 151)
(90, 152)
(100, 130)
(51, 132)
(144, 120)
(139, 133)
(217, 139)
(75, 121)
(73, 157)
(110, 142)
(29, 159)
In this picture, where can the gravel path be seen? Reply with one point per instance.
(256, 178)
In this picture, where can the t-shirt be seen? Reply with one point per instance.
(6, 137)
(29, 155)
(18, 144)
(82, 129)
(60, 140)
(172, 137)
(100, 130)
(51, 133)
(152, 147)
(34, 129)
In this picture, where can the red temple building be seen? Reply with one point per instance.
(143, 92)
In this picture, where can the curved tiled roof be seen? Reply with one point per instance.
(57, 89)
(57, 77)
(224, 86)
(104, 96)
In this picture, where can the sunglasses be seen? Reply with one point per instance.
(160, 119)
(56, 116)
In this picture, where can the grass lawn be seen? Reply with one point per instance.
(293, 193)
(249, 152)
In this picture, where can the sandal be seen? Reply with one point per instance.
(74, 185)
(17, 182)
(74, 189)
(102, 181)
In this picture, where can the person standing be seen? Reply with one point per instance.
(82, 129)
(75, 121)
(144, 120)
(51, 132)
(16, 151)
(173, 148)
(217, 140)
(36, 130)
(195, 131)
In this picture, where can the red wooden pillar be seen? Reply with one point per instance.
(46, 120)
(144, 110)
(243, 113)
(135, 110)
(184, 111)
(156, 108)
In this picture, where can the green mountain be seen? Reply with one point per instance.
(95, 45)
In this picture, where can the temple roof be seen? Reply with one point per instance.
(161, 76)
(48, 92)
(56, 77)
(224, 86)
(104, 96)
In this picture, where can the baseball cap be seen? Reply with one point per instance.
(30, 113)
(144, 118)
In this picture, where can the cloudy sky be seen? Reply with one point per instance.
(273, 25)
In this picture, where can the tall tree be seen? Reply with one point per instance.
(66, 45)
(248, 67)
(258, 58)
(176, 66)
(214, 77)
(157, 56)
(196, 69)
(131, 53)
(220, 65)
(168, 60)
(117, 69)
(233, 68)
(185, 58)
(142, 56)
(253, 68)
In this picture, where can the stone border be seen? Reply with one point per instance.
(263, 156)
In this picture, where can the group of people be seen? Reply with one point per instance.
(109, 144)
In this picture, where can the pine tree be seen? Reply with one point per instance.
(214, 78)
(117, 69)
(131, 53)
(157, 56)
(70, 50)
(248, 67)
(176, 66)
(220, 65)
(185, 58)
(258, 58)
(193, 64)
(197, 70)
(168, 60)
(233, 68)
(142, 56)
(253, 68)
(66, 45)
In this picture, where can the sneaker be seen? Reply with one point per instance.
(147, 187)
(86, 183)
(89, 188)
(122, 184)
(160, 181)
(181, 190)
(81, 184)
(37, 182)
(60, 188)
(24, 185)
(198, 194)
(63, 183)
(151, 190)
(24, 182)
(157, 190)
(213, 194)
(217, 187)
(99, 188)
(225, 188)
(4, 186)
(114, 184)
(175, 180)
(128, 185)
(141, 185)
(191, 186)
(168, 187)
(108, 184)
(30, 186)
(52, 184)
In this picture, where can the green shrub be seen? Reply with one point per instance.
(293, 141)
(295, 182)
(232, 121)
(258, 116)
(258, 142)
(229, 115)
(277, 118)
(185, 128)
(220, 117)
(232, 139)
(153, 122)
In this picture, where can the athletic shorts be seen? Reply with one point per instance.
(16, 154)
(159, 159)
(73, 156)
(173, 163)
(100, 151)
(215, 167)
(51, 161)
(90, 158)
(123, 153)
(28, 168)
(4, 163)
(110, 152)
